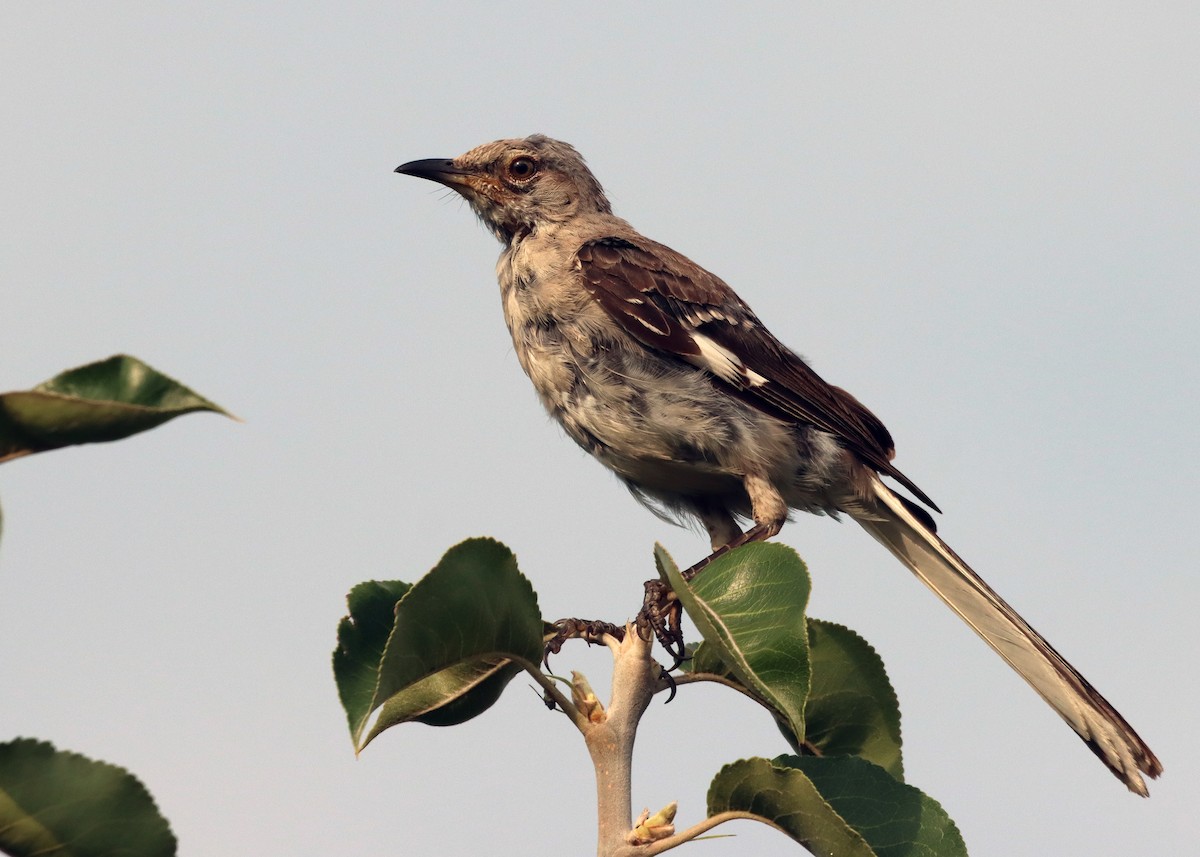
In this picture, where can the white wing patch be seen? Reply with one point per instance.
(653, 328)
(724, 363)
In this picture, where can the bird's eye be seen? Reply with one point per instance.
(522, 168)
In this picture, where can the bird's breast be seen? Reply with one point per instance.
(636, 410)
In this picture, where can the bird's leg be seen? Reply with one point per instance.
(720, 524)
(770, 512)
(757, 533)
(661, 611)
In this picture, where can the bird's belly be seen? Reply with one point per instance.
(673, 432)
(663, 478)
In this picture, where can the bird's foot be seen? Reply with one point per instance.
(661, 611)
(590, 630)
(660, 615)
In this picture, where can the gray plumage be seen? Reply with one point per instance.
(659, 370)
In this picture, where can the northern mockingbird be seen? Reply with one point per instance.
(660, 371)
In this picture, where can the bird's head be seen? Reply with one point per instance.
(517, 186)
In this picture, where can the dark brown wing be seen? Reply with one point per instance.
(670, 304)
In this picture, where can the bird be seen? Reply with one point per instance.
(660, 371)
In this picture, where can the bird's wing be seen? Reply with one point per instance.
(672, 305)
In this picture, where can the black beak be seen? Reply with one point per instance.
(435, 169)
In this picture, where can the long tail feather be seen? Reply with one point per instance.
(894, 524)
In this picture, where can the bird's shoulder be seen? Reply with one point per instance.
(622, 256)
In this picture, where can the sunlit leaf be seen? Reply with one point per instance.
(749, 607)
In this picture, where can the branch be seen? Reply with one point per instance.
(550, 688)
(610, 741)
(695, 830)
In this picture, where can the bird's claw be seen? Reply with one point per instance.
(660, 615)
(589, 630)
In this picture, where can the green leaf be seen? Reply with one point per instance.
(362, 637)
(851, 708)
(446, 698)
(452, 696)
(459, 636)
(787, 800)
(897, 820)
(102, 401)
(841, 806)
(63, 804)
(749, 606)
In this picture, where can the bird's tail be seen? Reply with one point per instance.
(906, 532)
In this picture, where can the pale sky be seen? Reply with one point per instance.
(984, 224)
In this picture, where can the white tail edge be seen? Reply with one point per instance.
(895, 525)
